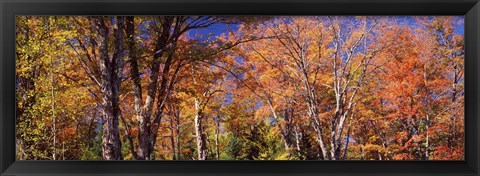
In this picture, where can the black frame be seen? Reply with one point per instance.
(10, 8)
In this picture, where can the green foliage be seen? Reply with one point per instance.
(259, 143)
(93, 152)
(234, 149)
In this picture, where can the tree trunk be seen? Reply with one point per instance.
(53, 114)
(169, 30)
(217, 131)
(144, 114)
(298, 138)
(172, 139)
(134, 72)
(111, 72)
(199, 134)
(313, 114)
(426, 140)
(427, 110)
(283, 131)
(321, 143)
(166, 86)
(177, 131)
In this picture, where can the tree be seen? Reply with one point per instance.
(49, 126)
(242, 88)
(312, 49)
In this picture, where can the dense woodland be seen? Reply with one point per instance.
(239, 88)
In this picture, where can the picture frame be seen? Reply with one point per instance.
(11, 8)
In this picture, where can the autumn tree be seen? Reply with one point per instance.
(49, 124)
(320, 57)
(239, 87)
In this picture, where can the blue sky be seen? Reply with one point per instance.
(218, 29)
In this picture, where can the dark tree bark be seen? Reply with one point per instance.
(160, 84)
(144, 113)
(111, 73)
